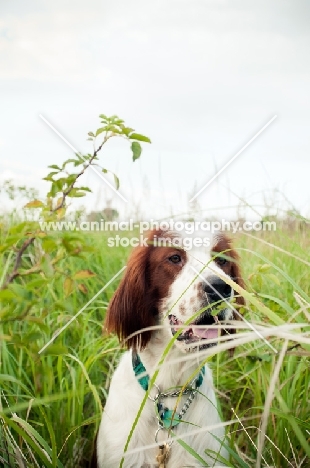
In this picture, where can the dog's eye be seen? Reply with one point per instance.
(220, 261)
(175, 258)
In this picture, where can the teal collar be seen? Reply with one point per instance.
(167, 418)
(139, 369)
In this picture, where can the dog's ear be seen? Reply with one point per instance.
(131, 308)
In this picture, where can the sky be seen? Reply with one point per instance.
(200, 78)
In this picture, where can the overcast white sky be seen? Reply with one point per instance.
(200, 78)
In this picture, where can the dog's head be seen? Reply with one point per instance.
(180, 284)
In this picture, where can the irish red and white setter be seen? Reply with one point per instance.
(165, 306)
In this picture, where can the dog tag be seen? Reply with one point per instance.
(162, 455)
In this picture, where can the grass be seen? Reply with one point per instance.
(51, 402)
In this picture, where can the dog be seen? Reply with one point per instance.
(166, 303)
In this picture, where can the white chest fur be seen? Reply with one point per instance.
(196, 430)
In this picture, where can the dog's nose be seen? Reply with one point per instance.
(216, 289)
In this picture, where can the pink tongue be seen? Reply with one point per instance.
(206, 333)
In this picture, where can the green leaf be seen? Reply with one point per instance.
(76, 193)
(54, 166)
(68, 161)
(86, 189)
(53, 191)
(61, 183)
(119, 122)
(127, 130)
(101, 130)
(116, 131)
(6, 294)
(79, 161)
(49, 176)
(34, 204)
(136, 150)
(116, 181)
(83, 274)
(60, 211)
(139, 137)
(70, 179)
(68, 286)
(83, 288)
(263, 268)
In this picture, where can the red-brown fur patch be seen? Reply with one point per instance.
(147, 280)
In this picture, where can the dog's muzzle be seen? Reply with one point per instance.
(204, 328)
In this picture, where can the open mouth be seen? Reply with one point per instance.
(203, 329)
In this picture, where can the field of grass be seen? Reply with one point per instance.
(51, 403)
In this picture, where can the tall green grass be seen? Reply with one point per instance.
(51, 403)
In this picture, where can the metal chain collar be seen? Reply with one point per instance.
(160, 409)
(167, 419)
